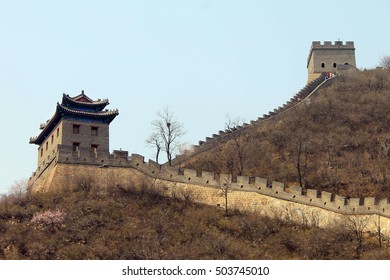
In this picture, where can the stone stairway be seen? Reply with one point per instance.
(225, 135)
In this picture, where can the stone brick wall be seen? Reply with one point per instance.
(257, 195)
(85, 137)
(223, 136)
(48, 149)
(326, 57)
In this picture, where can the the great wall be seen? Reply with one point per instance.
(66, 161)
(322, 64)
(225, 135)
(252, 194)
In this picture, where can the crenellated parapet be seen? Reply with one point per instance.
(309, 197)
(328, 45)
(329, 57)
(226, 135)
(331, 45)
(119, 160)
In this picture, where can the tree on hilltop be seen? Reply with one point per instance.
(385, 62)
(237, 147)
(154, 141)
(166, 134)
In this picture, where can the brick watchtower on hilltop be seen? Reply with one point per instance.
(79, 124)
(330, 58)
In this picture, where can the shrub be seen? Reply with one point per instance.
(48, 219)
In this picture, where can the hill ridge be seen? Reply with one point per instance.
(299, 98)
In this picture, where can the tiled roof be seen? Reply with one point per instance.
(86, 103)
(70, 108)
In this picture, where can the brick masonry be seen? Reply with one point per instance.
(329, 57)
(259, 196)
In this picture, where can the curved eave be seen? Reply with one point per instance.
(106, 116)
(94, 105)
(64, 112)
(47, 129)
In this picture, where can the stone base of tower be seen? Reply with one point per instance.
(76, 176)
(312, 76)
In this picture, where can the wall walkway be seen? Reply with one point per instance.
(258, 195)
(223, 136)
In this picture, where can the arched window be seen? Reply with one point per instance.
(346, 63)
(334, 65)
(323, 65)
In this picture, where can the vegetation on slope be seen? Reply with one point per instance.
(338, 141)
(144, 224)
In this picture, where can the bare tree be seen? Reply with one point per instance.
(18, 190)
(155, 141)
(225, 184)
(167, 131)
(86, 181)
(385, 62)
(232, 126)
(383, 164)
(302, 159)
(379, 229)
(357, 225)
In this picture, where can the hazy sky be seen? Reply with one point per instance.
(203, 59)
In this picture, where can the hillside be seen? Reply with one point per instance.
(143, 224)
(338, 140)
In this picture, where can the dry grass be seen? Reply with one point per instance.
(127, 224)
(340, 141)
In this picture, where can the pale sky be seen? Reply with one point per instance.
(203, 59)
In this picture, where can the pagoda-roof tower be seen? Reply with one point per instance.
(84, 103)
(80, 108)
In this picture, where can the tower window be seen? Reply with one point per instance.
(52, 139)
(334, 65)
(47, 145)
(94, 148)
(346, 63)
(94, 131)
(76, 129)
(76, 146)
(58, 132)
(322, 65)
(41, 152)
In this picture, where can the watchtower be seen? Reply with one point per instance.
(330, 58)
(79, 124)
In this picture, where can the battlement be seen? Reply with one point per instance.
(328, 45)
(326, 57)
(278, 190)
(310, 197)
(221, 136)
(335, 45)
